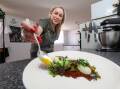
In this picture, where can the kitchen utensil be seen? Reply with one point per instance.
(86, 29)
(88, 39)
(42, 55)
(39, 49)
(90, 27)
(95, 37)
(94, 28)
(89, 31)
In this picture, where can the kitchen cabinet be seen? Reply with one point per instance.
(71, 40)
(71, 37)
(18, 51)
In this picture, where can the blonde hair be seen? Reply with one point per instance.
(63, 13)
(58, 27)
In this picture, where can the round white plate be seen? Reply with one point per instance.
(35, 77)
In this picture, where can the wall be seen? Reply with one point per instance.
(102, 8)
(71, 40)
(58, 45)
(68, 40)
(71, 37)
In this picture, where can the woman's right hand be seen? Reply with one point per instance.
(29, 30)
(26, 25)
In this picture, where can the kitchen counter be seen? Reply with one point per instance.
(11, 73)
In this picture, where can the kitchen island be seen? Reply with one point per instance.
(11, 73)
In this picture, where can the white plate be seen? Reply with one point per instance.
(34, 77)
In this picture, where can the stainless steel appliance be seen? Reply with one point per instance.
(109, 38)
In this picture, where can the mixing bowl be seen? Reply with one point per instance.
(109, 39)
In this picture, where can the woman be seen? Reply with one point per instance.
(48, 29)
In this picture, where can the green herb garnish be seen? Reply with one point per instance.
(63, 65)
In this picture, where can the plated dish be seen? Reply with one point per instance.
(65, 66)
(35, 75)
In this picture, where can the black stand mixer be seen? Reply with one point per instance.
(109, 38)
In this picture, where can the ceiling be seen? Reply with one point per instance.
(77, 11)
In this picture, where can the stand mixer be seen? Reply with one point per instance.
(109, 38)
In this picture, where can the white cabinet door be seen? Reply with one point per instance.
(18, 51)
